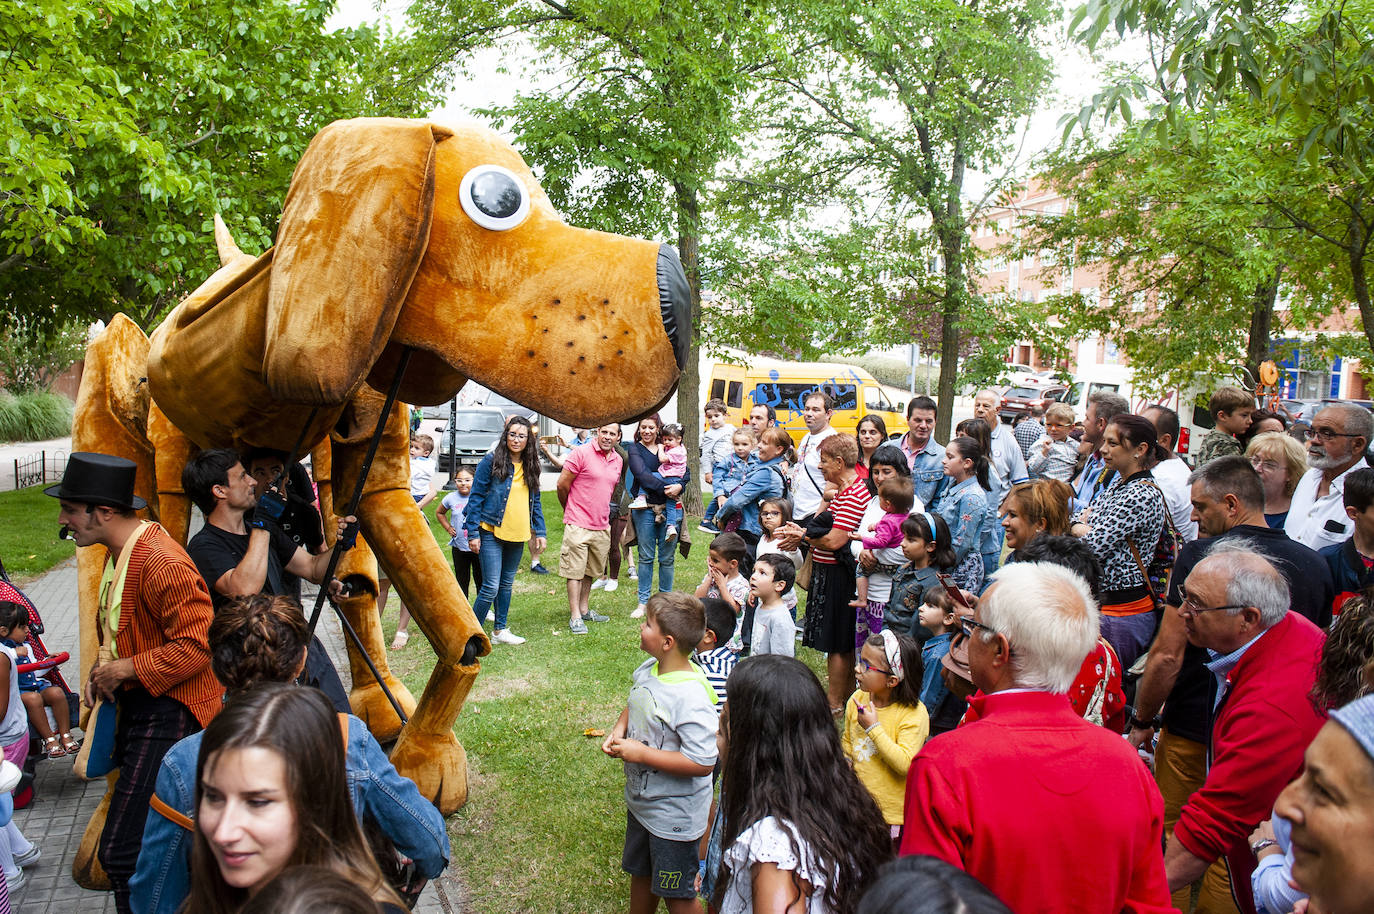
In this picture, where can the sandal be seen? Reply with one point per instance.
(70, 743)
(52, 748)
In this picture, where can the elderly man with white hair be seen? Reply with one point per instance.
(1336, 444)
(1049, 811)
(1263, 664)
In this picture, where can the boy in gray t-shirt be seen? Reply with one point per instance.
(667, 738)
(774, 631)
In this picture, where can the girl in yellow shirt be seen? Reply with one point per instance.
(885, 724)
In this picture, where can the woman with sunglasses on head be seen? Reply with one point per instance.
(1123, 528)
(502, 511)
(871, 433)
(648, 510)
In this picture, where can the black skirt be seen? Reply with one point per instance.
(829, 617)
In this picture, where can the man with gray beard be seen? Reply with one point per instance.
(1336, 443)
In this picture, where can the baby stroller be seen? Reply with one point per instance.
(39, 659)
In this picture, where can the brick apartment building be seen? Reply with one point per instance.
(1031, 279)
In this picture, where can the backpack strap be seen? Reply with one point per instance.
(170, 814)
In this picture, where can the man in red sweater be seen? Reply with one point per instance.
(1049, 811)
(1263, 661)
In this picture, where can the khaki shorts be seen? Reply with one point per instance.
(584, 552)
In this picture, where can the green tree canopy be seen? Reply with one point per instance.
(646, 103)
(129, 126)
(1306, 70)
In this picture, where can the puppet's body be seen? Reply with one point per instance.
(378, 255)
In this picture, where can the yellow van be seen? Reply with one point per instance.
(784, 386)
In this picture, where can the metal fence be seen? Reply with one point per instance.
(39, 468)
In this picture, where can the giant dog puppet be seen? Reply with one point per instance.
(401, 243)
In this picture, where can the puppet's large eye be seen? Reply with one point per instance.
(494, 198)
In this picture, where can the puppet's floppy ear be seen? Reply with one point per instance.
(353, 231)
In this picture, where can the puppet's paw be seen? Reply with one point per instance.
(438, 765)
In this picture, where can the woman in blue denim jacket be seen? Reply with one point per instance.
(498, 524)
(263, 639)
(651, 533)
(964, 505)
(762, 482)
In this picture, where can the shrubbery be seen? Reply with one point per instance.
(34, 416)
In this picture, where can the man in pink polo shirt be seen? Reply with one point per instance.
(589, 475)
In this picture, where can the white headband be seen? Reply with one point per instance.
(894, 654)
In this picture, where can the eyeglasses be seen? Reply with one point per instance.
(868, 667)
(1326, 434)
(517, 436)
(1190, 607)
(968, 624)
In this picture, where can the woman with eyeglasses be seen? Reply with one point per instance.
(1280, 462)
(1123, 529)
(502, 511)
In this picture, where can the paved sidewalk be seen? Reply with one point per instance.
(63, 803)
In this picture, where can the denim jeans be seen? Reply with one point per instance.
(499, 561)
(649, 542)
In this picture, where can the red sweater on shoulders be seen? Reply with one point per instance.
(1259, 734)
(1050, 812)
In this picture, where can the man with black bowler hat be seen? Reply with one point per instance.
(154, 661)
(241, 551)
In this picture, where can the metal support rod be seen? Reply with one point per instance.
(337, 552)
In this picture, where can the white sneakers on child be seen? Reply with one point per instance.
(670, 535)
(599, 584)
(639, 612)
(506, 636)
(611, 584)
(639, 502)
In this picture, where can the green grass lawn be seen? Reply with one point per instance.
(545, 818)
(28, 534)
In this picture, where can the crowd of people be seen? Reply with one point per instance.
(1064, 670)
(1068, 665)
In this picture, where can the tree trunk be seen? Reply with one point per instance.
(689, 386)
(950, 229)
(1359, 281)
(1261, 320)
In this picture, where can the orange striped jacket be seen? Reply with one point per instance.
(164, 621)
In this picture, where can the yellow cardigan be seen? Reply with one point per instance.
(881, 757)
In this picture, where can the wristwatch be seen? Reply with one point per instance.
(1261, 844)
(1154, 723)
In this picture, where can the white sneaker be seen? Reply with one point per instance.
(638, 613)
(16, 882)
(670, 535)
(10, 775)
(506, 636)
(639, 502)
(599, 584)
(29, 856)
(610, 584)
